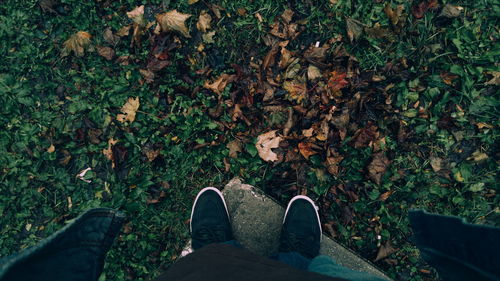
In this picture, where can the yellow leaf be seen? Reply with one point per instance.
(129, 109)
(478, 156)
(296, 90)
(191, 2)
(78, 43)
(204, 21)
(265, 143)
(173, 20)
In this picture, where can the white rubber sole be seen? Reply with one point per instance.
(298, 197)
(196, 200)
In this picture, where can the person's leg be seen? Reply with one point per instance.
(327, 266)
(301, 233)
(210, 220)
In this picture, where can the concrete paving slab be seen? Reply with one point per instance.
(257, 219)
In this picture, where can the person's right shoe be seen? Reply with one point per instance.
(301, 230)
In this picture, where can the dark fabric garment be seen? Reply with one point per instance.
(74, 253)
(458, 250)
(220, 262)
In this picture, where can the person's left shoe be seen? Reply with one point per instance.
(210, 219)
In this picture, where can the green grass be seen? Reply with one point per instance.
(72, 103)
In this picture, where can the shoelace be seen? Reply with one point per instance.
(209, 235)
(303, 245)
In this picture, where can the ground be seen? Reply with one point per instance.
(369, 107)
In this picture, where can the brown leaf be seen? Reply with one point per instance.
(448, 78)
(306, 149)
(495, 80)
(436, 164)
(173, 20)
(191, 2)
(384, 196)
(204, 21)
(297, 90)
(316, 54)
(393, 15)
(235, 146)
(109, 151)
(48, 6)
(51, 148)
(451, 11)
(354, 29)
(287, 16)
(109, 37)
(220, 83)
(106, 52)
(364, 136)
(124, 31)
(151, 153)
(78, 43)
(333, 159)
(265, 143)
(148, 75)
(419, 10)
(337, 81)
(129, 110)
(378, 166)
(137, 15)
(289, 123)
(313, 73)
(384, 251)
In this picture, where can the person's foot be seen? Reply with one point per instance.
(301, 230)
(209, 219)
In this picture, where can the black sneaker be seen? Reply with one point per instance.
(301, 230)
(209, 219)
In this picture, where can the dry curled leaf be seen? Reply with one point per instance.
(220, 83)
(129, 110)
(265, 143)
(173, 20)
(78, 43)
(204, 21)
(393, 15)
(378, 166)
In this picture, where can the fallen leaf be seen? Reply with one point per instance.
(478, 156)
(337, 81)
(129, 110)
(48, 6)
(191, 2)
(393, 15)
(384, 196)
(173, 20)
(80, 176)
(306, 149)
(495, 80)
(451, 11)
(289, 123)
(109, 37)
(148, 75)
(436, 164)
(235, 146)
(137, 15)
(384, 251)
(220, 83)
(316, 54)
(482, 125)
(204, 21)
(364, 136)
(241, 11)
(106, 52)
(124, 31)
(354, 29)
(377, 167)
(448, 78)
(333, 159)
(313, 73)
(287, 16)
(151, 153)
(208, 37)
(51, 148)
(78, 43)
(297, 90)
(265, 143)
(308, 133)
(109, 151)
(419, 10)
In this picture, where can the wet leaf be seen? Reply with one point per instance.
(265, 143)
(129, 110)
(78, 43)
(377, 167)
(173, 20)
(204, 20)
